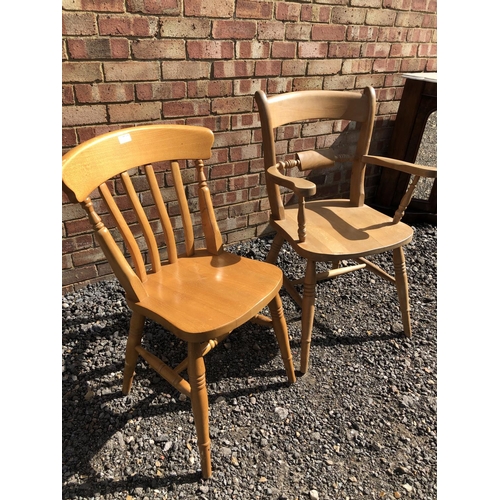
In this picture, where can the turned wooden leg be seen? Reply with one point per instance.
(135, 333)
(402, 288)
(281, 331)
(199, 403)
(276, 245)
(308, 299)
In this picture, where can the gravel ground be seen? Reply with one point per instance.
(360, 424)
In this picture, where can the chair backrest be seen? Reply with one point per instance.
(119, 165)
(282, 109)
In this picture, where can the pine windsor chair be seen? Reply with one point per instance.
(199, 295)
(331, 230)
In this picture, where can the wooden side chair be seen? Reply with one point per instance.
(199, 295)
(331, 230)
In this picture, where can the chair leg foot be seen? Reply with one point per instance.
(308, 300)
(402, 288)
(199, 403)
(281, 331)
(136, 331)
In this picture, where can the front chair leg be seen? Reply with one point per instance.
(281, 331)
(199, 403)
(402, 288)
(308, 300)
(136, 331)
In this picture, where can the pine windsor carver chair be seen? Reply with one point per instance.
(199, 295)
(332, 230)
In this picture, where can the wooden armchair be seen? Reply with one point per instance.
(199, 295)
(332, 230)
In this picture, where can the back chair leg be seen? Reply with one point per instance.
(402, 288)
(136, 331)
(308, 300)
(276, 245)
(199, 403)
(281, 331)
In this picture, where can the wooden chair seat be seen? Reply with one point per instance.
(184, 299)
(337, 230)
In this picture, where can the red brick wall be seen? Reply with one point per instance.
(129, 62)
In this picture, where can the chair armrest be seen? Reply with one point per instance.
(403, 166)
(319, 158)
(300, 186)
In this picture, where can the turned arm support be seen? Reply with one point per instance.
(301, 188)
(409, 168)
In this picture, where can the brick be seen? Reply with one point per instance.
(409, 19)
(248, 86)
(375, 50)
(69, 137)
(71, 276)
(159, 49)
(318, 128)
(429, 21)
(362, 33)
(234, 138)
(284, 50)
(380, 17)
(175, 27)
(67, 95)
(89, 256)
(330, 32)
(234, 29)
(413, 65)
(191, 107)
(232, 69)
(210, 88)
(209, 8)
(309, 50)
(160, 91)
(254, 9)
(94, 5)
(118, 25)
(226, 170)
(403, 50)
(375, 4)
(311, 83)
(268, 68)
(232, 105)
(134, 112)
(243, 182)
(247, 152)
(419, 35)
(385, 94)
(325, 67)
(344, 50)
(392, 34)
(431, 66)
(397, 4)
(363, 81)
(354, 66)
(242, 121)
(83, 115)
(315, 13)
(386, 65)
(270, 30)
(210, 49)
(295, 67)
(76, 243)
(279, 85)
(131, 71)
(288, 11)
(79, 23)
(98, 48)
(254, 49)
(298, 31)
(185, 70)
(346, 16)
(387, 108)
(339, 82)
(104, 92)
(166, 7)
